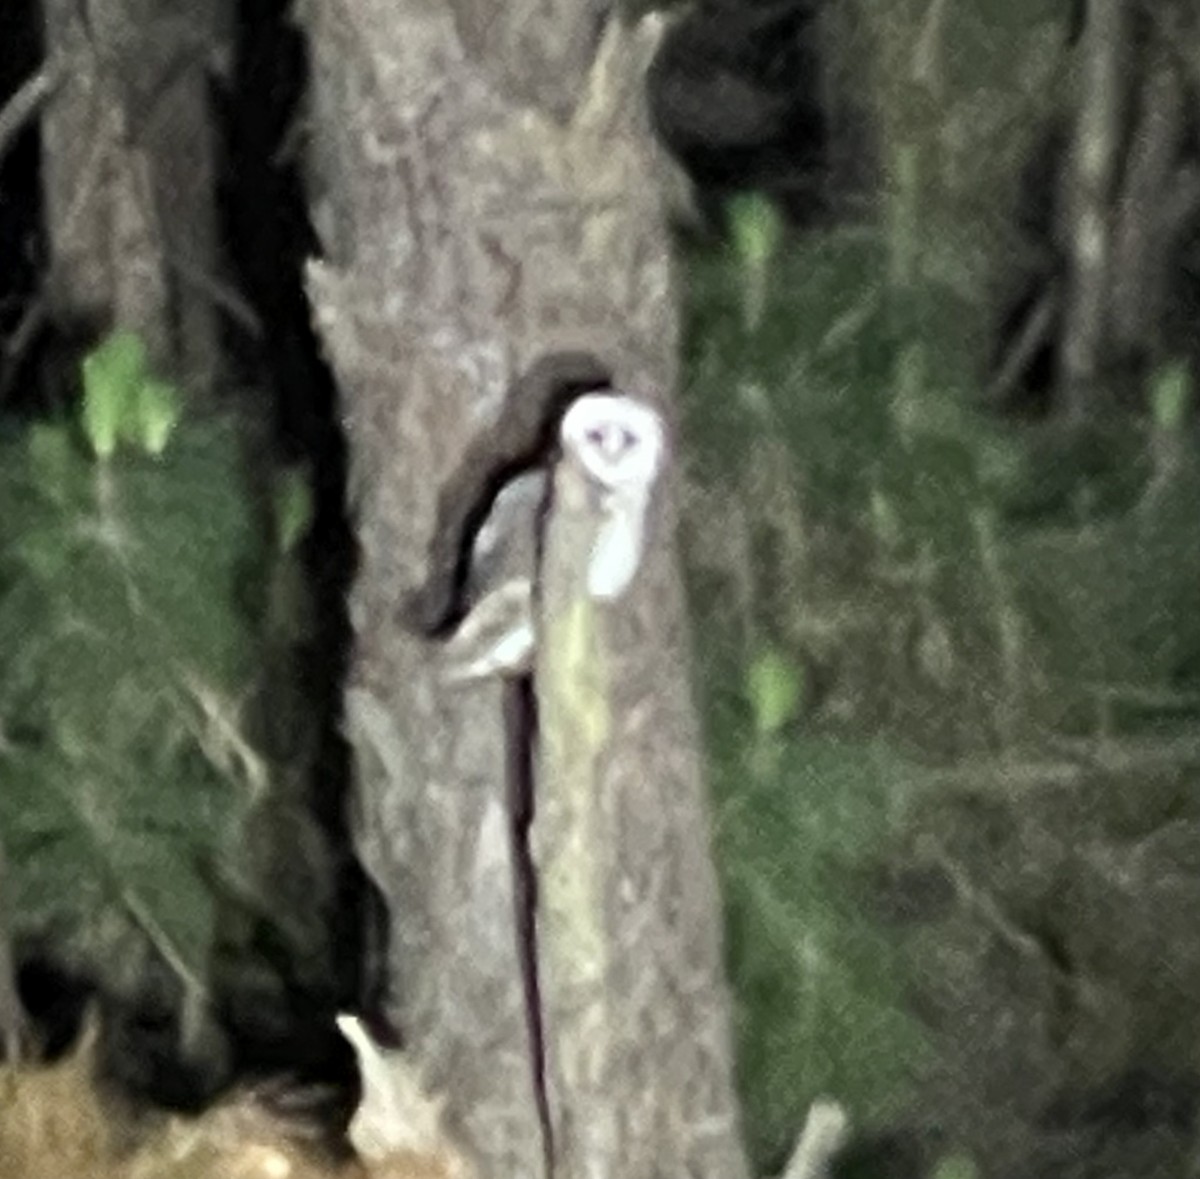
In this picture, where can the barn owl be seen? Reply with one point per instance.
(616, 443)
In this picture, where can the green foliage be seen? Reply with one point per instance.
(775, 689)
(756, 229)
(819, 988)
(132, 600)
(1171, 395)
(123, 402)
(955, 1166)
(1011, 605)
(849, 415)
(964, 590)
(843, 413)
(111, 376)
(823, 306)
(158, 409)
(293, 503)
(1114, 611)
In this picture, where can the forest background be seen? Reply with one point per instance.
(939, 472)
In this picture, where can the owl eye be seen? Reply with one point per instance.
(611, 439)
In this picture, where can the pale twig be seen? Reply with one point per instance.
(1093, 170)
(27, 100)
(825, 1132)
(162, 943)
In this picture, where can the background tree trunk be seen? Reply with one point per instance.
(477, 213)
(129, 175)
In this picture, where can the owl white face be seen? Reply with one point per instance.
(617, 439)
(619, 442)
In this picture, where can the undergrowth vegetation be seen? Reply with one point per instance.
(944, 655)
(144, 589)
(951, 657)
(950, 670)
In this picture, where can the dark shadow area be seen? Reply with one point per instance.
(268, 239)
(22, 246)
(735, 97)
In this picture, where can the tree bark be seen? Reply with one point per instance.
(636, 1027)
(129, 176)
(483, 203)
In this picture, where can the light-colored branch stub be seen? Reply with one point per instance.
(396, 1119)
(632, 1000)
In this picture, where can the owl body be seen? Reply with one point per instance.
(495, 636)
(617, 444)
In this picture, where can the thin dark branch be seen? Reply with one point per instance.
(221, 294)
(20, 340)
(1035, 332)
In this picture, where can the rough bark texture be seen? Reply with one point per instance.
(466, 232)
(128, 168)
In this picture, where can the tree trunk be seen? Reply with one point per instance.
(1132, 194)
(1157, 200)
(636, 1032)
(483, 187)
(1090, 187)
(129, 176)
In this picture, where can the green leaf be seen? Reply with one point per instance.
(293, 507)
(757, 229)
(1171, 395)
(885, 520)
(112, 376)
(52, 460)
(159, 408)
(775, 687)
(955, 1166)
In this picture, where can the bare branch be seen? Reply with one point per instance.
(825, 1132)
(27, 101)
(1033, 334)
(1095, 159)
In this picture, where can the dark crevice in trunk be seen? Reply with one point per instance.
(521, 729)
